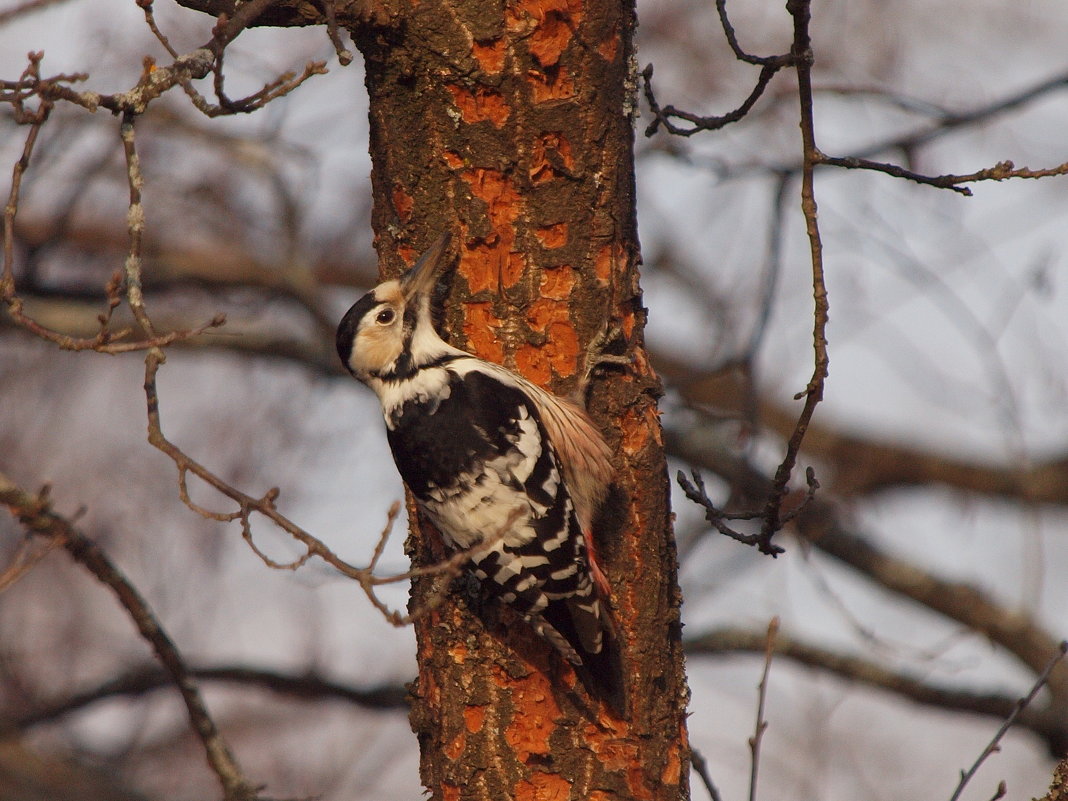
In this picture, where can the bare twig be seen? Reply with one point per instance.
(800, 58)
(344, 55)
(28, 554)
(663, 116)
(769, 65)
(947, 122)
(1001, 171)
(26, 7)
(265, 505)
(150, 20)
(697, 493)
(35, 513)
(732, 39)
(148, 678)
(700, 765)
(813, 393)
(992, 746)
(105, 341)
(762, 695)
(821, 525)
(1048, 723)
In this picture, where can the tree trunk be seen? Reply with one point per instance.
(513, 126)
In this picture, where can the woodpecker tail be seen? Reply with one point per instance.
(602, 676)
(596, 659)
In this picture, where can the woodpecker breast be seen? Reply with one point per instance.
(502, 468)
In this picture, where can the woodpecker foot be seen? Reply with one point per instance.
(596, 357)
(469, 589)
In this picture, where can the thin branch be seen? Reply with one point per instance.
(265, 505)
(813, 393)
(1022, 704)
(344, 55)
(1050, 723)
(762, 695)
(26, 7)
(800, 57)
(700, 766)
(732, 39)
(951, 121)
(35, 513)
(105, 341)
(769, 66)
(150, 20)
(27, 556)
(663, 116)
(148, 678)
(7, 280)
(821, 525)
(947, 123)
(1001, 171)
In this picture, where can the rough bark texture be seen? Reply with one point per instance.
(1058, 789)
(510, 124)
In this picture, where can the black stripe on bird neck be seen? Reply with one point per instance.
(404, 368)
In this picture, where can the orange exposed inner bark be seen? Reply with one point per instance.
(602, 265)
(453, 749)
(494, 260)
(550, 156)
(480, 105)
(619, 755)
(489, 55)
(474, 718)
(535, 715)
(609, 47)
(552, 84)
(550, 314)
(543, 787)
(402, 202)
(554, 21)
(557, 282)
(480, 327)
(673, 769)
(636, 426)
(552, 236)
(408, 253)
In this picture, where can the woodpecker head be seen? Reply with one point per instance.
(389, 332)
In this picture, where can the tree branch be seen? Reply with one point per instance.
(1049, 722)
(860, 465)
(1019, 707)
(35, 513)
(148, 678)
(819, 524)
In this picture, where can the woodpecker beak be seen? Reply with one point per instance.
(420, 280)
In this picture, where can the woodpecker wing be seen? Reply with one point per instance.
(584, 455)
(473, 446)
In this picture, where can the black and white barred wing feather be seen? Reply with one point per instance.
(505, 472)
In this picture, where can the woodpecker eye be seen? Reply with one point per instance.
(385, 317)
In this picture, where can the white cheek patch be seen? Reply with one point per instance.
(375, 348)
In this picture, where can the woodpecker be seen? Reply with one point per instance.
(506, 471)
